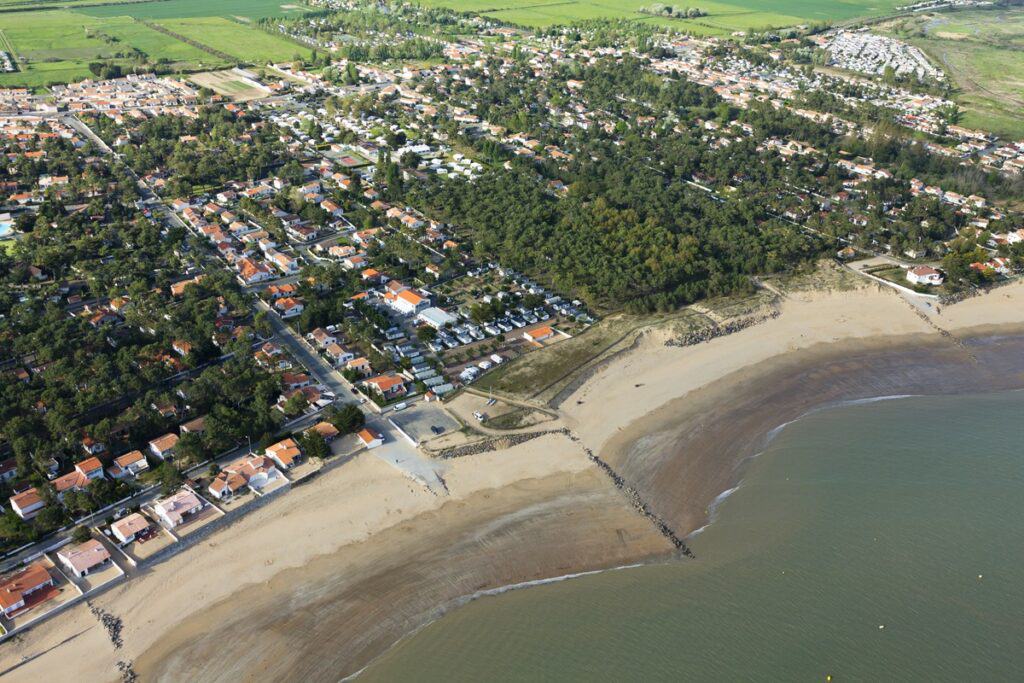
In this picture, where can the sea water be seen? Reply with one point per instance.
(872, 542)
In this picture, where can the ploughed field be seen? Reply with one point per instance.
(58, 45)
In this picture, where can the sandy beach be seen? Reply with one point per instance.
(316, 585)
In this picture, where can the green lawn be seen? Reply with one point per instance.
(56, 46)
(181, 9)
(983, 52)
(723, 16)
(240, 41)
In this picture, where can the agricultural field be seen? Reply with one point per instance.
(238, 40)
(229, 84)
(56, 46)
(983, 53)
(181, 9)
(723, 16)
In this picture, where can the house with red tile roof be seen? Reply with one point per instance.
(370, 439)
(130, 464)
(386, 386)
(162, 447)
(27, 504)
(16, 589)
(285, 453)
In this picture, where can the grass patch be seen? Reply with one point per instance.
(229, 84)
(544, 374)
(724, 16)
(57, 46)
(245, 43)
(180, 9)
(983, 53)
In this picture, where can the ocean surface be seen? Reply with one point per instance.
(880, 541)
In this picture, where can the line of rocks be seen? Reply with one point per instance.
(706, 334)
(492, 444)
(634, 498)
(111, 623)
(944, 332)
(128, 674)
(964, 294)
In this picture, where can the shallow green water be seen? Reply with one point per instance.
(875, 514)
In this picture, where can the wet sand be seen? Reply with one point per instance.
(318, 584)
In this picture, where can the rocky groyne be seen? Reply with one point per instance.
(706, 334)
(492, 444)
(635, 500)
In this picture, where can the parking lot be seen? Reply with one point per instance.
(417, 421)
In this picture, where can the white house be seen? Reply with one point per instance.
(370, 439)
(255, 471)
(406, 301)
(924, 275)
(17, 587)
(84, 558)
(163, 447)
(27, 504)
(177, 508)
(130, 464)
(127, 529)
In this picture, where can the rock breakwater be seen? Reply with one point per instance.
(706, 334)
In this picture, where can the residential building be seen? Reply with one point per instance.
(84, 558)
(924, 275)
(27, 504)
(284, 453)
(386, 386)
(163, 447)
(16, 589)
(370, 439)
(128, 529)
(176, 509)
(325, 429)
(130, 464)
(254, 471)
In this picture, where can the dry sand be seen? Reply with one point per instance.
(316, 584)
(281, 554)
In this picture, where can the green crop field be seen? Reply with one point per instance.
(722, 15)
(983, 52)
(56, 46)
(181, 9)
(242, 42)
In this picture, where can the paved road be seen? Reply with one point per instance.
(396, 450)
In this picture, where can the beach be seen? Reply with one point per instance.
(316, 585)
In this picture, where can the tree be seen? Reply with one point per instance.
(14, 530)
(314, 445)
(169, 477)
(296, 404)
(426, 334)
(190, 448)
(51, 517)
(81, 534)
(347, 419)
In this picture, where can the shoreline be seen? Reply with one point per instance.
(534, 512)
